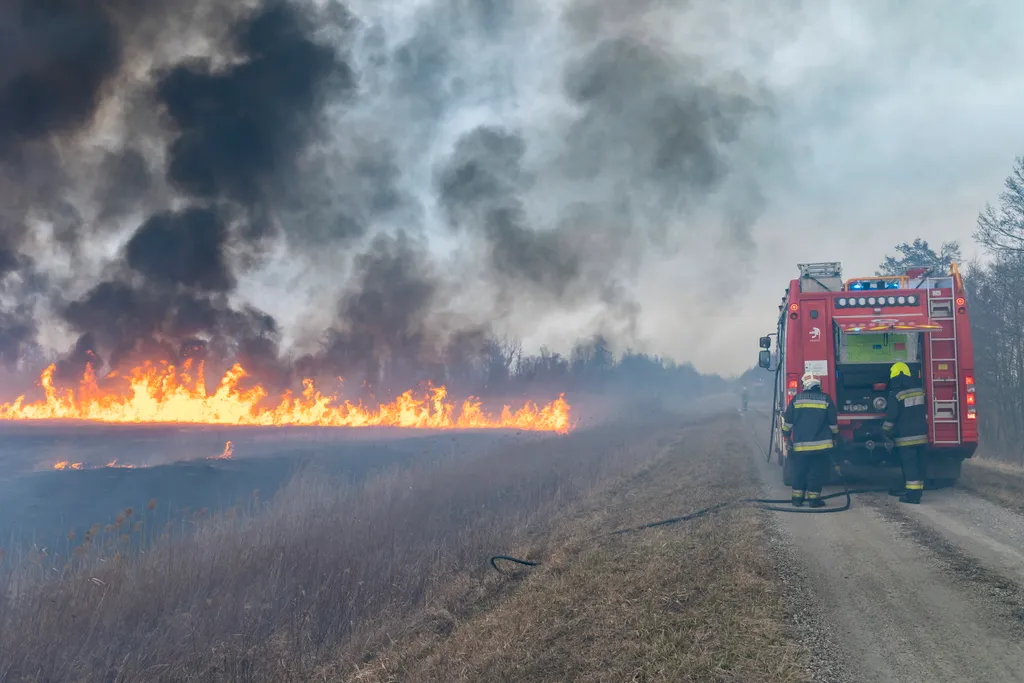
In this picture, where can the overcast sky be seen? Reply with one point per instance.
(652, 171)
(903, 124)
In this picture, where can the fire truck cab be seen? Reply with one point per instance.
(849, 333)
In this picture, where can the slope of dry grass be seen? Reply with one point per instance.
(388, 581)
(272, 596)
(695, 602)
(995, 481)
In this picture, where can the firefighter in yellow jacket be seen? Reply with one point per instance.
(906, 424)
(811, 423)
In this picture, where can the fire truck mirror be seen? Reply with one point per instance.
(765, 342)
(764, 359)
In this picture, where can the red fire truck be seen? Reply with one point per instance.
(849, 332)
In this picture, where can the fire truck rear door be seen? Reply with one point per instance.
(817, 343)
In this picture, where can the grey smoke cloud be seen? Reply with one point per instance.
(367, 182)
(313, 134)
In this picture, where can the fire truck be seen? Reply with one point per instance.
(849, 332)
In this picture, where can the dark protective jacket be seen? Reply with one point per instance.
(811, 420)
(906, 413)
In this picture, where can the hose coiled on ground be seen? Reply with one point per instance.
(770, 504)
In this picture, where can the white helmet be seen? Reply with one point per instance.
(809, 381)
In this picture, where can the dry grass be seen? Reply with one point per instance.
(995, 481)
(695, 602)
(271, 597)
(388, 581)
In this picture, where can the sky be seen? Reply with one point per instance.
(900, 124)
(413, 174)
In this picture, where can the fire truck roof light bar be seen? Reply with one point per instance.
(873, 301)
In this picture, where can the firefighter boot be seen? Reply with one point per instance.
(814, 500)
(798, 499)
(911, 496)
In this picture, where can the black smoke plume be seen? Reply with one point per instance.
(235, 131)
(185, 248)
(385, 171)
(242, 126)
(55, 57)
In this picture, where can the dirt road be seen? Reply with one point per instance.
(894, 592)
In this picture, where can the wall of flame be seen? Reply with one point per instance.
(161, 393)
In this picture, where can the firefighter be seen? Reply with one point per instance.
(906, 424)
(744, 397)
(811, 424)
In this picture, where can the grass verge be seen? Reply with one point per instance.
(997, 482)
(700, 601)
(273, 595)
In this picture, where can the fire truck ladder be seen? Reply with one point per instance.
(944, 411)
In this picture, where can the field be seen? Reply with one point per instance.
(178, 468)
(370, 563)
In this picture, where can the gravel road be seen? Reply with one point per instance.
(893, 592)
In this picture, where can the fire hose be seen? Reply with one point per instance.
(769, 504)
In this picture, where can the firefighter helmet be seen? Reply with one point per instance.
(809, 380)
(897, 369)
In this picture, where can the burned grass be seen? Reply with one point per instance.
(695, 602)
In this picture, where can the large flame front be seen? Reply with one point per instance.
(162, 393)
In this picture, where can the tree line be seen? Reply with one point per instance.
(496, 369)
(504, 369)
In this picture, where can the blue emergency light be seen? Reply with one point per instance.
(860, 285)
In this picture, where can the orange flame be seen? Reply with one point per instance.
(160, 393)
(65, 465)
(229, 450)
(114, 463)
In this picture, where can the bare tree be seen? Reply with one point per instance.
(997, 320)
(1002, 230)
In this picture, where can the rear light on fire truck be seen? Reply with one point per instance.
(791, 386)
(972, 412)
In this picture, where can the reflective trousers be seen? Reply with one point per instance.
(912, 462)
(810, 470)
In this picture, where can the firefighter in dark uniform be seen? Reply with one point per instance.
(811, 423)
(907, 425)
